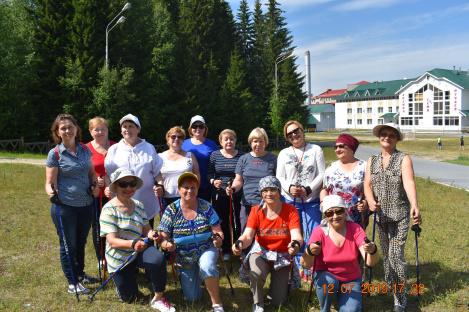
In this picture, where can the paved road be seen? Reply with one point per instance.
(441, 172)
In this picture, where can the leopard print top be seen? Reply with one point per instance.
(388, 188)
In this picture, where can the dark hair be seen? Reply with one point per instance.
(54, 129)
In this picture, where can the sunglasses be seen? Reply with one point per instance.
(293, 132)
(124, 184)
(270, 189)
(200, 126)
(390, 135)
(174, 137)
(341, 146)
(339, 211)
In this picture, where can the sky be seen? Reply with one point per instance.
(374, 40)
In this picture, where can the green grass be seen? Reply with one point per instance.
(12, 155)
(31, 278)
(461, 160)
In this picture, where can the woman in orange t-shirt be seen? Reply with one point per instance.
(276, 229)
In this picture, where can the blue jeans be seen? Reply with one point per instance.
(76, 223)
(192, 276)
(153, 262)
(348, 293)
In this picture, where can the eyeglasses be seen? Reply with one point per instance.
(200, 126)
(341, 146)
(126, 184)
(339, 211)
(297, 131)
(174, 137)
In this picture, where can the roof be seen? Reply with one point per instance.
(459, 77)
(388, 115)
(464, 112)
(312, 120)
(377, 89)
(320, 108)
(331, 93)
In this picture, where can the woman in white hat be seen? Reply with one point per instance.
(124, 223)
(136, 154)
(391, 194)
(201, 147)
(277, 231)
(332, 253)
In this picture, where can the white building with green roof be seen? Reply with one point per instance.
(438, 100)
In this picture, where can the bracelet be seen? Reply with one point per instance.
(376, 250)
(135, 242)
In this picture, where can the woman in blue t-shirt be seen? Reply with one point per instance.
(201, 147)
(191, 227)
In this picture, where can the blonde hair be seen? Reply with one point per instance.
(97, 121)
(175, 130)
(226, 131)
(258, 133)
(288, 124)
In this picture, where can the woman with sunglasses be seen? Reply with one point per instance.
(191, 227)
(221, 172)
(250, 169)
(345, 178)
(175, 162)
(391, 194)
(300, 169)
(138, 155)
(201, 147)
(332, 253)
(70, 180)
(124, 224)
(276, 228)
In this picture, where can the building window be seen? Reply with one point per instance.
(369, 121)
(451, 121)
(438, 121)
(446, 107)
(369, 110)
(417, 120)
(406, 121)
(447, 95)
(349, 121)
(359, 121)
(411, 108)
(390, 109)
(349, 110)
(359, 110)
(380, 110)
(437, 103)
(380, 121)
(418, 108)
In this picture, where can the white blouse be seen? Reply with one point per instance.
(171, 171)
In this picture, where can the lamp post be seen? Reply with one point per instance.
(108, 30)
(282, 57)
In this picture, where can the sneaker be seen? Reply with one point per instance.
(226, 257)
(87, 279)
(80, 289)
(162, 305)
(257, 308)
(217, 308)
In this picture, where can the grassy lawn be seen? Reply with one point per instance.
(31, 278)
(4, 154)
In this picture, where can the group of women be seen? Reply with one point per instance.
(253, 204)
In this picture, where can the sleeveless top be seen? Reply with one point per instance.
(388, 188)
(171, 171)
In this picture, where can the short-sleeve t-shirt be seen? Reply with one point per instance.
(274, 234)
(202, 154)
(342, 262)
(129, 227)
(252, 170)
(192, 237)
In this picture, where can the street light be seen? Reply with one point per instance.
(108, 30)
(282, 57)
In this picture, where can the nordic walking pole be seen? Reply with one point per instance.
(416, 228)
(230, 182)
(310, 292)
(97, 238)
(373, 240)
(56, 201)
(129, 259)
(294, 243)
(214, 236)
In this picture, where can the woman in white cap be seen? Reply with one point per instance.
(201, 147)
(191, 227)
(332, 253)
(391, 194)
(124, 224)
(277, 231)
(136, 154)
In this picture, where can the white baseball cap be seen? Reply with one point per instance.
(195, 119)
(332, 201)
(132, 118)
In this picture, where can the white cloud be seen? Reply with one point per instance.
(357, 5)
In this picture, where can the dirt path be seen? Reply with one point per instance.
(28, 161)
